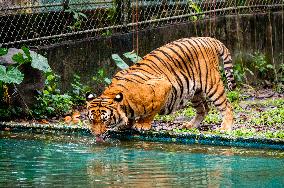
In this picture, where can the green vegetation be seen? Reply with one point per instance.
(256, 65)
(261, 66)
(269, 112)
(78, 91)
(264, 113)
(78, 18)
(52, 103)
(240, 72)
(101, 77)
(195, 8)
(11, 75)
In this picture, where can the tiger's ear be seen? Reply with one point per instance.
(118, 97)
(90, 96)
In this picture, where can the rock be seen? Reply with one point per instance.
(7, 59)
(181, 119)
(267, 93)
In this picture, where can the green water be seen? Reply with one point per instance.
(48, 160)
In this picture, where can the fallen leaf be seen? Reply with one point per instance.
(67, 119)
(76, 117)
(44, 121)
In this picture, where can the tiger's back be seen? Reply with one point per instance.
(168, 77)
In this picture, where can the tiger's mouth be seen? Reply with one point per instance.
(102, 130)
(99, 128)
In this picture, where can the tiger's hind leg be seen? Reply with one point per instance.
(202, 109)
(221, 102)
(228, 118)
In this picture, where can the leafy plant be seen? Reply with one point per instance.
(195, 8)
(107, 33)
(78, 18)
(11, 75)
(240, 72)
(261, 66)
(40, 62)
(50, 102)
(132, 56)
(78, 91)
(119, 62)
(9, 112)
(253, 65)
(243, 132)
(240, 2)
(112, 12)
(3, 51)
(101, 77)
(112, 15)
(21, 58)
(52, 105)
(233, 96)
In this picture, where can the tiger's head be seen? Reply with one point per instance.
(105, 112)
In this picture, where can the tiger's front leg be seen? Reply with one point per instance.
(155, 94)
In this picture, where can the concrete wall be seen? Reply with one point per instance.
(242, 34)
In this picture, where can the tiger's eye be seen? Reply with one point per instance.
(118, 97)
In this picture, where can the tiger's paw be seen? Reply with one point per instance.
(225, 128)
(226, 125)
(142, 126)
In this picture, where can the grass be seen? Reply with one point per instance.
(253, 118)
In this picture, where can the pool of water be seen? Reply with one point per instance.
(32, 160)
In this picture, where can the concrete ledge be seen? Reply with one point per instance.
(204, 139)
(161, 136)
(16, 126)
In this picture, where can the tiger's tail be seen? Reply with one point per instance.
(228, 65)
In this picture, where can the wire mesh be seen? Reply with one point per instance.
(42, 22)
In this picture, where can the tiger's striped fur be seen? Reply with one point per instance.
(163, 82)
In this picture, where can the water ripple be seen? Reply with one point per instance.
(33, 160)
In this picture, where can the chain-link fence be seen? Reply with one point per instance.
(41, 22)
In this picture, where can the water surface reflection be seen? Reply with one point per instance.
(29, 159)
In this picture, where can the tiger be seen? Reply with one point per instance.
(164, 81)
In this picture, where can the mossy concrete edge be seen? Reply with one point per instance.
(161, 136)
(204, 139)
